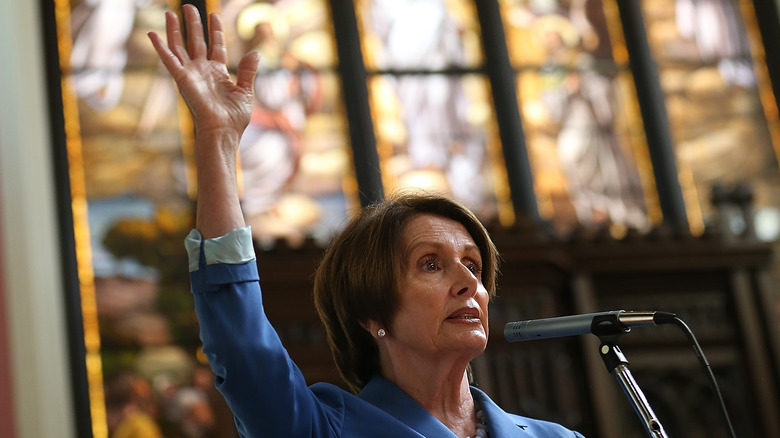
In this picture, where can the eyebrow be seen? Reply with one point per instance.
(439, 245)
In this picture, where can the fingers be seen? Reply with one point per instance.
(217, 49)
(247, 68)
(169, 60)
(173, 33)
(196, 45)
(175, 56)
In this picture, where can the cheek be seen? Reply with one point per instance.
(484, 302)
(416, 307)
(424, 310)
(483, 297)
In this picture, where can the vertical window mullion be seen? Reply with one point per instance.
(502, 81)
(653, 109)
(354, 86)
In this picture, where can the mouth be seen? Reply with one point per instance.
(466, 314)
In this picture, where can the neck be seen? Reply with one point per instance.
(442, 390)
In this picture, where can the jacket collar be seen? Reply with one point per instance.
(388, 397)
(385, 395)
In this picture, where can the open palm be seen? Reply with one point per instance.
(214, 100)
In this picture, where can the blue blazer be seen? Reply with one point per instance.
(267, 392)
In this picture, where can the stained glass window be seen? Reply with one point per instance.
(430, 101)
(713, 89)
(129, 140)
(584, 135)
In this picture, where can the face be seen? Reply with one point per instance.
(442, 302)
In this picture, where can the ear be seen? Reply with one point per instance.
(372, 327)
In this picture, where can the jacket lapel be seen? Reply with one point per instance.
(498, 422)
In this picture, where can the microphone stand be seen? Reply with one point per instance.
(607, 327)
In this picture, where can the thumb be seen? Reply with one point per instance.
(247, 69)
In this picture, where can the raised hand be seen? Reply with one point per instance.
(220, 111)
(214, 100)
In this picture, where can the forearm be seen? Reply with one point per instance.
(218, 206)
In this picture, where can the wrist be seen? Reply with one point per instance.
(219, 145)
(218, 135)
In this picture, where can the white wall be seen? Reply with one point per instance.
(34, 296)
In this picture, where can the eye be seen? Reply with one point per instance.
(475, 268)
(429, 264)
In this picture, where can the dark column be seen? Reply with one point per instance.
(769, 25)
(653, 109)
(502, 82)
(355, 89)
(67, 251)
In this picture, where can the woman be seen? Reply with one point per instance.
(403, 291)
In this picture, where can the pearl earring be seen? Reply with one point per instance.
(381, 333)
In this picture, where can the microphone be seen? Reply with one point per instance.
(613, 322)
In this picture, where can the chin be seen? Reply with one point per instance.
(477, 341)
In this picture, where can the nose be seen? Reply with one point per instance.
(465, 283)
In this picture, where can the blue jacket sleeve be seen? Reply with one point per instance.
(263, 387)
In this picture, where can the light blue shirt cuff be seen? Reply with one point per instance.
(233, 248)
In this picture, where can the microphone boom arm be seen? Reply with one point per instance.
(607, 326)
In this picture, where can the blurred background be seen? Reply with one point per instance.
(623, 155)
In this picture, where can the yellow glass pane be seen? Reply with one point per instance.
(289, 35)
(555, 32)
(295, 157)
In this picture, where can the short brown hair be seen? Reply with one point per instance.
(356, 280)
